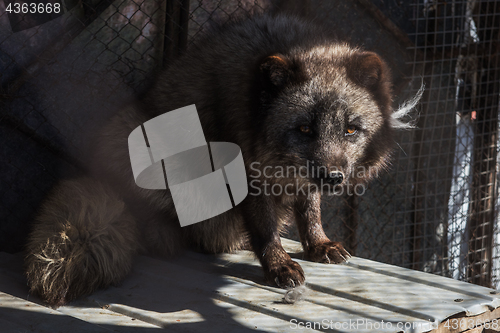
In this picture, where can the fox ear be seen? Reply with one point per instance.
(276, 70)
(367, 70)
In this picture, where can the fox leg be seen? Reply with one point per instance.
(262, 224)
(316, 244)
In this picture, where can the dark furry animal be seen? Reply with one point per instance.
(288, 96)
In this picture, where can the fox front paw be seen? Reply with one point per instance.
(328, 252)
(287, 275)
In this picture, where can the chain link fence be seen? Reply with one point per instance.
(435, 210)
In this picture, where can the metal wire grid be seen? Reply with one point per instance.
(434, 211)
(451, 227)
(204, 12)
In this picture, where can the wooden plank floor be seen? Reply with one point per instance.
(226, 293)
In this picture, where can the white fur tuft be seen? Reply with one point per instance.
(295, 294)
(405, 110)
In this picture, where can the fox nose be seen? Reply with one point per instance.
(333, 177)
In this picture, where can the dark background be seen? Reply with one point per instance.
(435, 210)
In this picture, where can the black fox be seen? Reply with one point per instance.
(276, 86)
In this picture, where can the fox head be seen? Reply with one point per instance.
(327, 111)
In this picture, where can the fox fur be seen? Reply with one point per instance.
(274, 85)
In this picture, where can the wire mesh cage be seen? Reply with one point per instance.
(435, 210)
(452, 227)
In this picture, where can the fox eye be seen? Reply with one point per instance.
(351, 130)
(305, 129)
